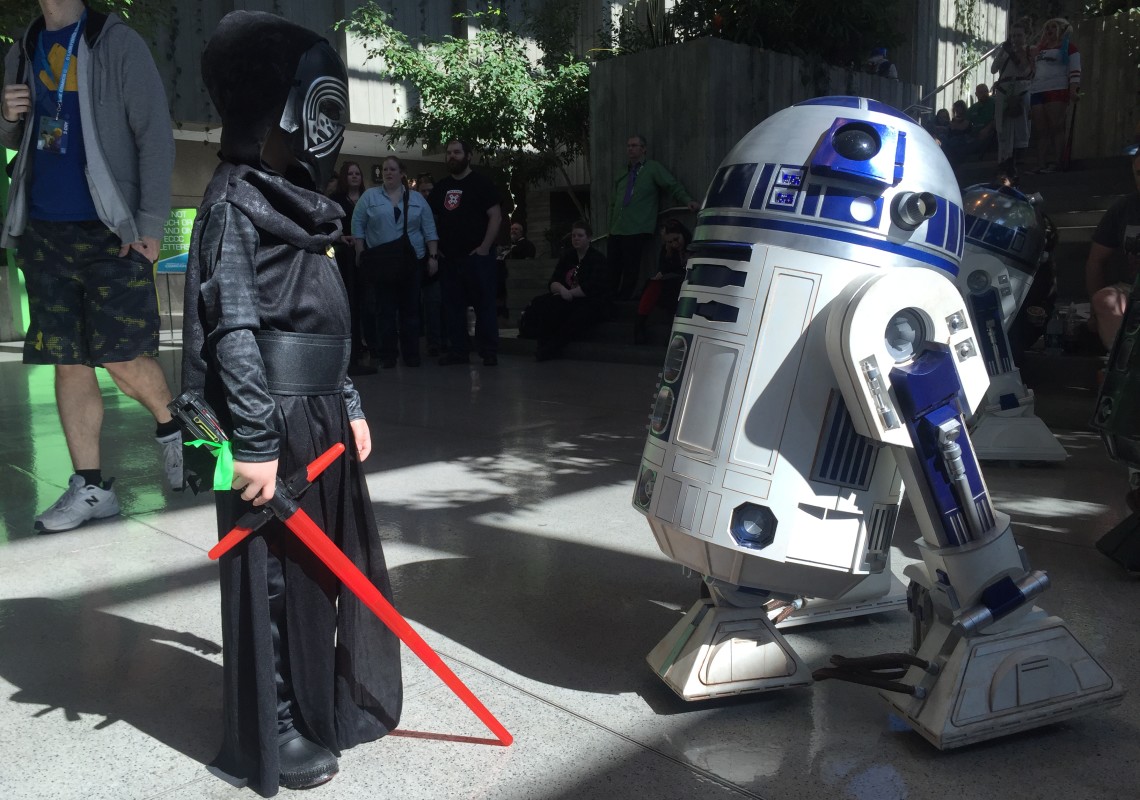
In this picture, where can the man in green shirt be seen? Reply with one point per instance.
(633, 214)
(981, 116)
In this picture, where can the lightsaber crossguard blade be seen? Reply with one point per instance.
(284, 506)
(290, 490)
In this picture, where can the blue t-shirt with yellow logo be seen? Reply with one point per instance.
(59, 184)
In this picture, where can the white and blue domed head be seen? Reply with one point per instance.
(1004, 221)
(843, 176)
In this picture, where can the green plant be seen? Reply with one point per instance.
(525, 116)
(967, 22)
(642, 25)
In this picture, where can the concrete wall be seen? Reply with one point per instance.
(1109, 108)
(694, 101)
(934, 50)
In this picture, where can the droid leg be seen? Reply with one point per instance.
(989, 661)
(1005, 426)
(1001, 663)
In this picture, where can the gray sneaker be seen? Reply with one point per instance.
(79, 503)
(172, 459)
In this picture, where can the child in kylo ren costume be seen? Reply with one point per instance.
(308, 670)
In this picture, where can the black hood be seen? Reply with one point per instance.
(304, 219)
(248, 67)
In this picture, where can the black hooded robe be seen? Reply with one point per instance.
(260, 260)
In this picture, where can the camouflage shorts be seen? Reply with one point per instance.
(87, 305)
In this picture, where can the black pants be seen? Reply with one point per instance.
(470, 281)
(624, 254)
(398, 320)
(556, 322)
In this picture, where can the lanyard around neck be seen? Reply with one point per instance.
(67, 65)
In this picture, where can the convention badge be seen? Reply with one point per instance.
(53, 135)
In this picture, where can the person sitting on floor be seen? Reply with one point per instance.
(576, 301)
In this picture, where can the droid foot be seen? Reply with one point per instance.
(716, 651)
(1122, 544)
(1025, 438)
(1033, 674)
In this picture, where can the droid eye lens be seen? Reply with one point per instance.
(978, 281)
(856, 142)
(904, 335)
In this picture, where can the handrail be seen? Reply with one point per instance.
(660, 214)
(921, 103)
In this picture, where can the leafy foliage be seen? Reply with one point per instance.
(1105, 8)
(838, 33)
(521, 113)
(141, 14)
(1126, 14)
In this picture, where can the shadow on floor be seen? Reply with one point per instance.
(69, 657)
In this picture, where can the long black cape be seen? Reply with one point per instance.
(260, 260)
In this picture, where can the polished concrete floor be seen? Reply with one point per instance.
(502, 496)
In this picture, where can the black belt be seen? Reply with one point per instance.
(304, 363)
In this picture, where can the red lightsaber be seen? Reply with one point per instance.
(284, 506)
(295, 486)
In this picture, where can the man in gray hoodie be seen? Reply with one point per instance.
(84, 106)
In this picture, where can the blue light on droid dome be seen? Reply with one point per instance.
(790, 176)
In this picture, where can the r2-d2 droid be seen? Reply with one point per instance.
(820, 357)
(1005, 241)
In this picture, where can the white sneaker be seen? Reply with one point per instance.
(79, 503)
(172, 459)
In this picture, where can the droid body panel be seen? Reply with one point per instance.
(821, 357)
(1005, 242)
(758, 477)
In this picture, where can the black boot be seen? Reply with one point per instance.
(302, 764)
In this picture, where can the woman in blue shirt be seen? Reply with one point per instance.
(391, 276)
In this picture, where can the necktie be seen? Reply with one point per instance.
(629, 181)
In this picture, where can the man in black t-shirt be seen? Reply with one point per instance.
(1118, 232)
(467, 213)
